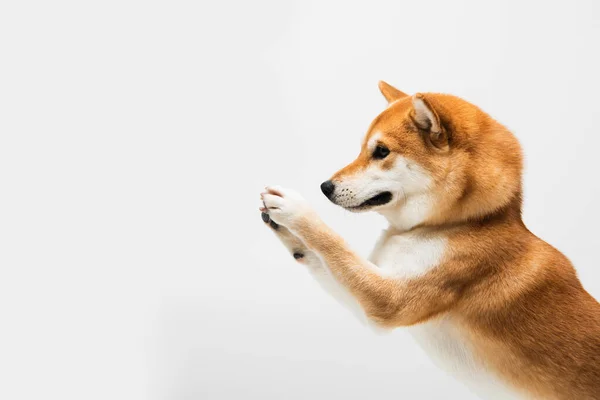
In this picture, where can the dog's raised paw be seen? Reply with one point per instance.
(286, 207)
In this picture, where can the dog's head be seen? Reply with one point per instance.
(430, 158)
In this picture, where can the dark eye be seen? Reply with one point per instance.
(380, 152)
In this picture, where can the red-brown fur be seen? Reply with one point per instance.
(515, 297)
(518, 298)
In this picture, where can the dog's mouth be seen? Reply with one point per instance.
(377, 200)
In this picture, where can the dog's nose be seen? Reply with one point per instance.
(327, 188)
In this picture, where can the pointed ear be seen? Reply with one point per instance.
(427, 119)
(390, 93)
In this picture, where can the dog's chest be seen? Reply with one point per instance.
(407, 254)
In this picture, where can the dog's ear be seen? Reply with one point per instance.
(390, 93)
(428, 120)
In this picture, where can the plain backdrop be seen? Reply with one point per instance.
(136, 136)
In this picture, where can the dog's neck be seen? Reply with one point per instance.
(409, 213)
(422, 210)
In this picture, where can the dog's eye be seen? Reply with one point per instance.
(380, 152)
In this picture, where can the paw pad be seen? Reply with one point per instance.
(265, 217)
(267, 220)
(298, 255)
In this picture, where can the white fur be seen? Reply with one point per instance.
(409, 212)
(407, 182)
(287, 208)
(372, 143)
(407, 255)
(414, 203)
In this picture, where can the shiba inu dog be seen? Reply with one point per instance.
(493, 304)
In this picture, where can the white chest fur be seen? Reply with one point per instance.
(411, 254)
(408, 254)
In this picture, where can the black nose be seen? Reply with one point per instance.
(327, 188)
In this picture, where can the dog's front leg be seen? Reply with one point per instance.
(387, 301)
(315, 266)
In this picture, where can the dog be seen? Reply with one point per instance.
(491, 303)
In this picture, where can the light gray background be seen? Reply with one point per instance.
(136, 137)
